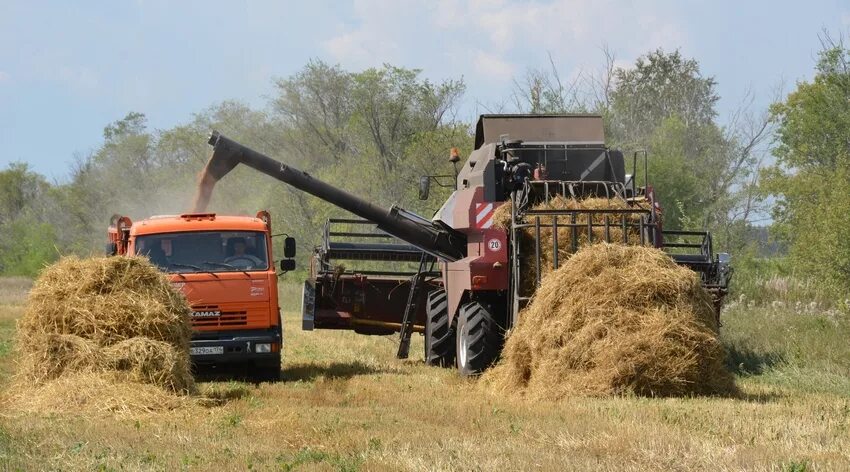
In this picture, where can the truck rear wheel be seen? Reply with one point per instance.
(479, 338)
(439, 335)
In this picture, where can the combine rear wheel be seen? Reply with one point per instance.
(479, 338)
(439, 335)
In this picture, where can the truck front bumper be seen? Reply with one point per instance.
(217, 347)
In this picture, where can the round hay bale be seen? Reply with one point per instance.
(107, 323)
(615, 319)
(106, 300)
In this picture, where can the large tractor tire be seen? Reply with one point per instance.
(479, 339)
(439, 335)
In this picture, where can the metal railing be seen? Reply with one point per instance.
(581, 226)
(688, 246)
(382, 253)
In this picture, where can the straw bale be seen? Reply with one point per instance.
(47, 356)
(109, 331)
(106, 300)
(615, 319)
(149, 361)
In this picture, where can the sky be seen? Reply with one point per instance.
(67, 69)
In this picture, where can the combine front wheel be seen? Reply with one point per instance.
(439, 336)
(478, 339)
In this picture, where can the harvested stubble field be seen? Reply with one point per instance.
(347, 404)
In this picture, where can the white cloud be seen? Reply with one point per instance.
(4, 76)
(381, 28)
(57, 65)
(491, 65)
(490, 41)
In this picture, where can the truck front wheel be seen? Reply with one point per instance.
(267, 370)
(439, 335)
(479, 338)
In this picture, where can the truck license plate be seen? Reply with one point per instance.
(206, 350)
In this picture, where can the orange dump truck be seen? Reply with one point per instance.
(225, 267)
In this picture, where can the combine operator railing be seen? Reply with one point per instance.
(367, 244)
(594, 225)
(693, 249)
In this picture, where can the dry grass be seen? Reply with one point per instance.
(347, 404)
(13, 291)
(632, 321)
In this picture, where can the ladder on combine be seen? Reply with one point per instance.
(416, 283)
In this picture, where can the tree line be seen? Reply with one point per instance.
(373, 132)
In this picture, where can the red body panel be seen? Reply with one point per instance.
(486, 265)
(368, 305)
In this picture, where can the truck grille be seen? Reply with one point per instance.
(224, 319)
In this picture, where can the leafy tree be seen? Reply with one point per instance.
(812, 169)
(26, 234)
(19, 189)
(371, 133)
(659, 86)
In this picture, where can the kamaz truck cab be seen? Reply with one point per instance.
(224, 266)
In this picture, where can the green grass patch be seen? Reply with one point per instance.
(786, 348)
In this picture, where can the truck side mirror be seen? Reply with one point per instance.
(111, 248)
(287, 265)
(424, 187)
(289, 247)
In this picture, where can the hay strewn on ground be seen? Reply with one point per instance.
(95, 393)
(112, 325)
(615, 319)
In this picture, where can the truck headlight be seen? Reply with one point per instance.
(263, 347)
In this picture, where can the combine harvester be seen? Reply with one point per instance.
(526, 160)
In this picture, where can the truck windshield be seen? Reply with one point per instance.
(206, 251)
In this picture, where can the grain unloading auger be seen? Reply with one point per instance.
(433, 238)
(489, 273)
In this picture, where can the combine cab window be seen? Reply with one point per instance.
(206, 251)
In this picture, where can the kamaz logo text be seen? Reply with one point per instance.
(205, 314)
